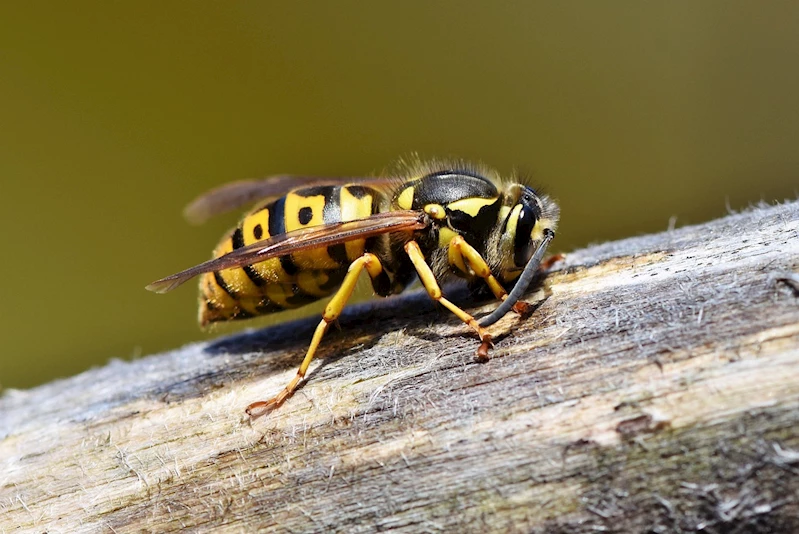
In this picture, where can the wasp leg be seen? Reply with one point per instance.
(368, 261)
(434, 290)
(460, 253)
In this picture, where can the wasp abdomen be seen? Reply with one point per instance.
(293, 280)
(432, 220)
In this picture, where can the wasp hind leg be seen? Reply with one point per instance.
(372, 264)
(434, 290)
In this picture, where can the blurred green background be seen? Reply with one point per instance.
(114, 115)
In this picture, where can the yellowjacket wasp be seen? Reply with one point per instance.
(310, 238)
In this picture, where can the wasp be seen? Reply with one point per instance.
(310, 238)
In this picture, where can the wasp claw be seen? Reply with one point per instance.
(523, 308)
(482, 351)
(257, 409)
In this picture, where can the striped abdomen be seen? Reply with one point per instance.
(294, 280)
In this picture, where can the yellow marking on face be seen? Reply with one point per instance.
(471, 206)
(503, 212)
(436, 211)
(508, 270)
(405, 199)
(510, 230)
(538, 230)
(445, 235)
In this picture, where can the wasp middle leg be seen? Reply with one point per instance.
(372, 264)
(434, 290)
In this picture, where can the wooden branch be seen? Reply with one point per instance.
(655, 389)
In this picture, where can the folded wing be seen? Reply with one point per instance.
(299, 240)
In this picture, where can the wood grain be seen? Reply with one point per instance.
(655, 389)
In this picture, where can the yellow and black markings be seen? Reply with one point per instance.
(315, 241)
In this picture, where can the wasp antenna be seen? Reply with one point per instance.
(530, 270)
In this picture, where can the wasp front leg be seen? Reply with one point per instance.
(372, 264)
(460, 254)
(434, 290)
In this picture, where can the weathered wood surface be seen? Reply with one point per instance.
(655, 389)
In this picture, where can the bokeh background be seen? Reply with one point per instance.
(114, 114)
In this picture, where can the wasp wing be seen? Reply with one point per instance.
(234, 195)
(298, 240)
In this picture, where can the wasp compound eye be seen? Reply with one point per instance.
(529, 214)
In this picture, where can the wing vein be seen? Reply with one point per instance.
(299, 240)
